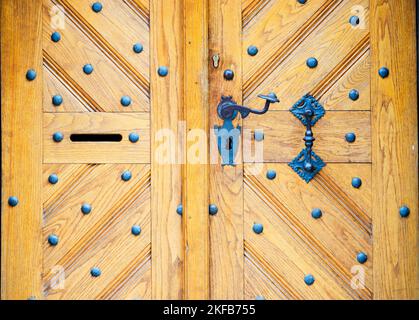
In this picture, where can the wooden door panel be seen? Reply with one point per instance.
(101, 238)
(333, 42)
(124, 151)
(111, 78)
(283, 136)
(343, 231)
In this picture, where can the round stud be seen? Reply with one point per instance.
(302, 1)
(137, 48)
(57, 100)
(356, 182)
(309, 279)
(259, 298)
(31, 74)
(55, 36)
(125, 101)
(136, 230)
(133, 137)
(228, 74)
(179, 210)
(162, 71)
(86, 208)
(354, 94)
(271, 174)
(97, 7)
(252, 50)
(361, 257)
(312, 63)
(53, 178)
(126, 175)
(53, 239)
(57, 137)
(354, 20)
(88, 68)
(384, 72)
(316, 213)
(404, 211)
(257, 228)
(350, 137)
(259, 136)
(13, 201)
(213, 209)
(95, 272)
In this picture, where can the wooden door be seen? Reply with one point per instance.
(113, 185)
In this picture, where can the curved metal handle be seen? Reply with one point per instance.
(227, 108)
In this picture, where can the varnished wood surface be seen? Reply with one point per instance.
(394, 148)
(166, 27)
(21, 105)
(124, 151)
(226, 182)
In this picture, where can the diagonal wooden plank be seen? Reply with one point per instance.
(250, 10)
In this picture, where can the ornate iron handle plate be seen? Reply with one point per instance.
(228, 136)
(307, 164)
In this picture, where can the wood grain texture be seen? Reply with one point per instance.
(331, 243)
(111, 78)
(333, 41)
(226, 182)
(283, 134)
(167, 49)
(124, 151)
(394, 155)
(21, 105)
(101, 238)
(196, 177)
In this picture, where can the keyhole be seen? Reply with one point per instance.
(230, 143)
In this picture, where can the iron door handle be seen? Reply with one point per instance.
(227, 108)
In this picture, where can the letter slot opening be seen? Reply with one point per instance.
(96, 137)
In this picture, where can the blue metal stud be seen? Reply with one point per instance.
(259, 298)
(312, 63)
(228, 74)
(125, 101)
(271, 174)
(97, 7)
(86, 208)
(259, 136)
(404, 211)
(252, 50)
(162, 71)
(302, 1)
(361, 257)
(138, 48)
(55, 36)
(133, 137)
(212, 209)
(58, 136)
(53, 178)
(356, 182)
(31, 74)
(384, 72)
(136, 230)
(354, 94)
(57, 100)
(309, 279)
(88, 68)
(53, 239)
(354, 20)
(316, 213)
(350, 137)
(257, 228)
(179, 209)
(126, 175)
(95, 272)
(13, 201)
